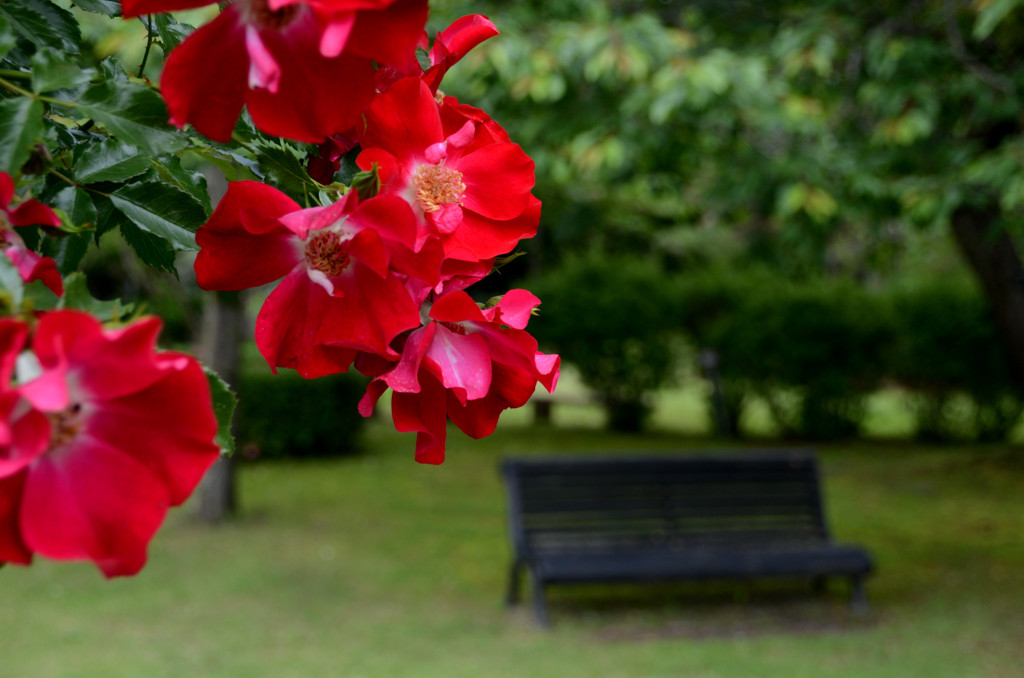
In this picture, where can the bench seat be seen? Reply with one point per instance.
(662, 564)
(681, 517)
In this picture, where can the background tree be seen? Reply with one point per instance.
(818, 138)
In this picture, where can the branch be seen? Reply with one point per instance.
(979, 70)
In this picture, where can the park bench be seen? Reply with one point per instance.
(721, 515)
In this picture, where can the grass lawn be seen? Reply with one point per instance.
(376, 566)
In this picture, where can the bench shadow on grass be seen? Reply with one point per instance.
(707, 610)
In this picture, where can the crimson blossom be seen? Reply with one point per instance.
(30, 265)
(304, 68)
(465, 364)
(100, 436)
(468, 187)
(343, 271)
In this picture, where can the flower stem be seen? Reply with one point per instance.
(148, 23)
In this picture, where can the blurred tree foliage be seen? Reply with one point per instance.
(814, 137)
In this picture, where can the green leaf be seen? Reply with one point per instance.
(43, 23)
(170, 31)
(108, 7)
(236, 167)
(108, 217)
(52, 70)
(284, 170)
(169, 170)
(77, 205)
(163, 210)
(39, 297)
(21, 124)
(30, 24)
(133, 113)
(991, 15)
(110, 160)
(152, 250)
(12, 287)
(67, 251)
(367, 184)
(77, 296)
(224, 402)
(7, 38)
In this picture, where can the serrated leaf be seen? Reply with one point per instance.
(134, 114)
(235, 166)
(77, 296)
(171, 32)
(77, 204)
(152, 250)
(224, 402)
(169, 170)
(285, 171)
(164, 210)
(110, 160)
(7, 37)
(21, 123)
(52, 70)
(108, 7)
(43, 23)
(30, 24)
(108, 217)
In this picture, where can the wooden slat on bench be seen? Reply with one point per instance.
(632, 517)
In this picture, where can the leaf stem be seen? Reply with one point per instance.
(60, 176)
(237, 138)
(9, 73)
(10, 86)
(148, 23)
(14, 88)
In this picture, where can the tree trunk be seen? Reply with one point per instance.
(993, 256)
(223, 330)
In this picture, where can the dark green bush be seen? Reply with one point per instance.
(284, 415)
(614, 318)
(948, 347)
(813, 351)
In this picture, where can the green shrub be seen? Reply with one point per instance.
(284, 415)
(948, 347)
(613, 317)
(813, 351)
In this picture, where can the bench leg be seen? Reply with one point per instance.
(540, 603)
(512, 596)
(858, 596)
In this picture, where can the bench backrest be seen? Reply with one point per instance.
(673, 501)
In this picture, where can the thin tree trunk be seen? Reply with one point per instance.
(223, 328)
(993, 256)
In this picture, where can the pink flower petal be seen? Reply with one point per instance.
(92, 502)
(336, 33)
(264, 73)
(463, 363)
